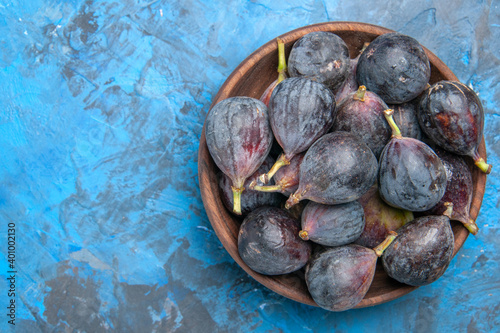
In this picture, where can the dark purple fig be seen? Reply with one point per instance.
(452, 116)
(411, 175)
(380, 218)
(268, 242)
(266, 96)
(395, 67)
(286, 179)
(320, 56)
(422, 251)
(239, 139)
(338, 168)
(338, 278)
(459, 189)
(362, 113)
(405, 115)
(332, 225)
(250, 200)
(300, 111)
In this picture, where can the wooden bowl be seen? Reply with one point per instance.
(251, 78)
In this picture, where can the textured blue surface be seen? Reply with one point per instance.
(102, 106)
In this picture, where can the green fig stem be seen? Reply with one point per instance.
(359, 95)
(304, 235)
(281, 60)
(237, 199)
(379, 250)
(396, 133)
(281, 161)
(481, 164)
(269, 188)
(471, 226)
(365, 45)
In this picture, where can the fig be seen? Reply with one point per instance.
(338, 278)
(362, 113)
(332, 225)
(250, 200)
(350, 84)
(320, 56)
(395, 67)
(380, 218)
(459, 189)
(268, 242)
(411, 176)
(422, 251)
(239, 138)
(405, 115)
(338, 168)
(300, 111)
(452, 116)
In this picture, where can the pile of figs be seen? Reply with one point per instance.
(344, 162)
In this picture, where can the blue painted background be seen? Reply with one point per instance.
(102, 107)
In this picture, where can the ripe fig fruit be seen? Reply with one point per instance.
(250, 200)
(286, 179)
(459, 189)
(239, 138)
(300, 111)
(268, 242)
(451, 115)
(380, 218)
(362, 113)
(422, 251)
(338, 278)
(411, 176)
(266, 96)
(332, 225)
(320, 56)
(395, 67)
(350, 84)
(338, 168)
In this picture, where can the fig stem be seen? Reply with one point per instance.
(449, 209)
(471, 226)
(269, 188)
(396, 133)
(281, 161)
(359, 95)
(293, 199)
(304, 235)
(281, 60)
(237, 199)
(379, 250)
(481, 164)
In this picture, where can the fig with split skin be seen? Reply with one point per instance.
(422, 251)
(239, 138)
(300, 111)
(338, 278)
(332, 225)
(338, 168)
(452, 116)
(411, 176)
(268, 242)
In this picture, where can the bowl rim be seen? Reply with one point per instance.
(212, 203)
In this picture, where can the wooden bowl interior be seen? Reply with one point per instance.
(251, 78)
